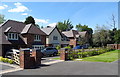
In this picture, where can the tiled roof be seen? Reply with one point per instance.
(48, 30)
(18, 27)
(74, 33)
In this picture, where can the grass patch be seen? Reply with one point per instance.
(58, 58)
(105, 57)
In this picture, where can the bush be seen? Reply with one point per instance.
(68, 47)
(6, 60)
(58, 47)
(10, 61)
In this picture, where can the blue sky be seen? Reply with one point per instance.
(49, 13)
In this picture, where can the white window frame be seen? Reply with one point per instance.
(38, 46)
(37, 38)
(12, 36)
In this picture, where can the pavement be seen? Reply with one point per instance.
(71, 68)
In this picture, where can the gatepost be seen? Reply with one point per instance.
(64, 54)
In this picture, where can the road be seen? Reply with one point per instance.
(72, 68)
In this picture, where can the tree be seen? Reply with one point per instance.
(101, 37)
(1, 19)
(29, 20)
(113, 22)
(80, 28)
(117, 36)
(65, 26)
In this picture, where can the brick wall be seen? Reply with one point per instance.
(114, 46)
(29, 39)
(72, 42)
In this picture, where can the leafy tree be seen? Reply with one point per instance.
(117, 36)
(65, 26)
(29, 20)
(101, 37)
(2, 18)
(80, 28)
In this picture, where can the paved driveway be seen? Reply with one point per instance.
(72, 68)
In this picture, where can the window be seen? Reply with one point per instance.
(55, 38)
(12, 36)
(37, 38)
(38, 47)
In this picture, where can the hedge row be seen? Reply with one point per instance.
(6, 60)
(73, 55)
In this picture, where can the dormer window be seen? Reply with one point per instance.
(37, 38)
(12, 36)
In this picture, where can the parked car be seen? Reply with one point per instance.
(48, 51)
(9, 54)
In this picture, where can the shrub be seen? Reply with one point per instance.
(58, 47)
(5, 60)
(10, 61)
(68, 47)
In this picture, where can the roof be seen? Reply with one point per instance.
(74, 33)
(83, 33)
(48, 30)
(17, 27)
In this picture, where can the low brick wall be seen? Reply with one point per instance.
(114, 46)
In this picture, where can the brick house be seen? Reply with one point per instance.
(19, 35)
(75, 36)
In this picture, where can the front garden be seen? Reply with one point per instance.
(94, 55)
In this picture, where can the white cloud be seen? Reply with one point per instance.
(52, 24)
(24, 14)
(3, 7)
(41, 20)
(19, 8)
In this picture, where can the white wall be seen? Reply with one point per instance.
(49, 40)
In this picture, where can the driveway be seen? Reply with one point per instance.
(72, 68)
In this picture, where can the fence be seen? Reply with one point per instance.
(114, 46)
(72, 54)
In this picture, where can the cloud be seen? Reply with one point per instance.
(52, 24)
(19, 8)
(3, 7)
(24, 14)
(41, 20)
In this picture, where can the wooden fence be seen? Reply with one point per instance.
(114, 46)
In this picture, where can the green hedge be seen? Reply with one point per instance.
(6, 60)
(80, 54)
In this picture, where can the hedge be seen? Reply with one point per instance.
(80, 54)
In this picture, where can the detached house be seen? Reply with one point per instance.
(18, 35)
(53, 37)
(75, 36)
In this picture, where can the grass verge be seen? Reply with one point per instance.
(106, 57)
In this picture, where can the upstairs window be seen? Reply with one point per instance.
(12, 36)
(37, 38)
(55, 38)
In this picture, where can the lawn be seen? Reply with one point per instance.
(106, 57)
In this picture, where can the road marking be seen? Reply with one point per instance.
(52, 62)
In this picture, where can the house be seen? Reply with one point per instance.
(75, 36)
(18, 35)
(53, 37)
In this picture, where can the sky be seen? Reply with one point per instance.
(49, 13)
